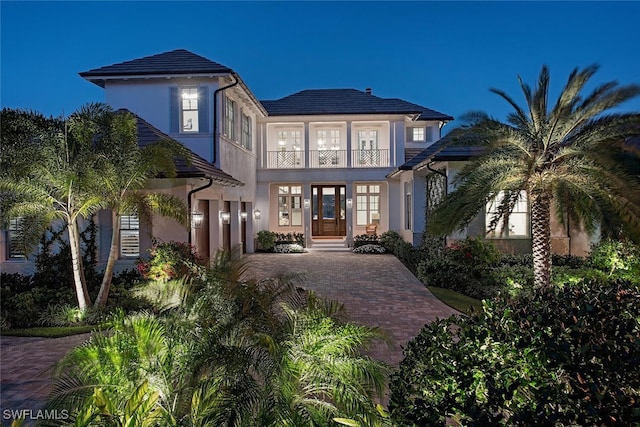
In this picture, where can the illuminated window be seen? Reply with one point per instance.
(14, 239)
(246, 132)
(189, 108)
(289, 205)
(517, 224)
(368, 139)
(229, 118)
(129, 236)
(417, 134)
(367, 204)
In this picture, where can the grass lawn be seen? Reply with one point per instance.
(49, 332)
(456, 300)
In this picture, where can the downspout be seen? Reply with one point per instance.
(446, 185)
(216, 136)
(192, 192)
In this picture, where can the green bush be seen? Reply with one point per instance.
(617, 259)
(367, 239)
(170, 260)
(466, 266)
(562, 356)
(267, 240)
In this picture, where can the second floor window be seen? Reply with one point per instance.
(229, 118)
(416, 134)
(367, 139)
(246, 132)
(189, 109)
(290, 205)
(329, 139)
(289, 140)
(129, 236)
(367, 204)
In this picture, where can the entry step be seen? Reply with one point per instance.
(329, 245)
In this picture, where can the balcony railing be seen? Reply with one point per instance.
(327, 159)
(285, 159)
(369, 158)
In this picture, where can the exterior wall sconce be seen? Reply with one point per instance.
(196, 219)
(225, 217)
(256, 214)
(307, 203)
(349, 203)
(243, 215)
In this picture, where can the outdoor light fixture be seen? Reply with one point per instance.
(243, 215)
(307, 203)
(256, 214)
(349, 203)
(225, 217)
(196, 219)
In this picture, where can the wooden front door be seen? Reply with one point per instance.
(328, 206)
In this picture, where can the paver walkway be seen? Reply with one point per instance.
(376, 290)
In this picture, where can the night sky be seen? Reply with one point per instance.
(443, 55)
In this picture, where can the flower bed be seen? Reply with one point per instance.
(369, 249)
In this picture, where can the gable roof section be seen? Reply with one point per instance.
(199, 167)
(345, 101)
(175, 62)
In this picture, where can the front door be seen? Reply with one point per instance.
(328, 204)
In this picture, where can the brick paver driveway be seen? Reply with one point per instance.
(376, 290)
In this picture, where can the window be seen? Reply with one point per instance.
(328, 145)
(189, 109)
(417, 134)
(517, 224)
(229, 118)
(129, 236)
(368, 139)
(289, 140)
(407, 206)
(367, 204)
(289, 205)
(246, 132)
(14, 239)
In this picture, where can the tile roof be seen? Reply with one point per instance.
(198, 167)
(179, 61)
(345, 101)
(441, 151)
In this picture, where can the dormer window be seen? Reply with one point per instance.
(189, 107)
(417, 134)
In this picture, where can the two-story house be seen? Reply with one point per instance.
(329, 163)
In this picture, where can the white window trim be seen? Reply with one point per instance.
(182, 109)
(368, 195)
(129, 236)
(523, 212)
(289, 195)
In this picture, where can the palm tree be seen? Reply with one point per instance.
(126, 168)
(562, 157)
(48, 171)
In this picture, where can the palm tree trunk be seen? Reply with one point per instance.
(76, 261)
(541, 234)
(103, 294)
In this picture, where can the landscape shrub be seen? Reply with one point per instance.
(267, 240)
(561, 356)
(369, 249)
(288, 248)
(466, 267)
(366, 239)
(170, 260)
(619, 259)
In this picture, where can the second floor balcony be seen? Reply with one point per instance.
(296, 159)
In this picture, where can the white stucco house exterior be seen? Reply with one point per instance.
(323, 162)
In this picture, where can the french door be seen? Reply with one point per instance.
(328, 205)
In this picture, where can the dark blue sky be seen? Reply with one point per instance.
(443, 55)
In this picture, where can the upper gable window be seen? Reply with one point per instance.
(189, 110)
(417, 134)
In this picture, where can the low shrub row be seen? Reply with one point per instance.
(268, 240)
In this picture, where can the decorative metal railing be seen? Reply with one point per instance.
(327, 159)
(285, 159)
(369, 158)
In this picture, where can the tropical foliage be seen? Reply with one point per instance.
(564, 155)
(564, 356)
(227, 352)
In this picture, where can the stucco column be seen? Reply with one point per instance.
(308, 220)
(348, 147)
(236, 234)
(307, 153)
(215, 227)
(349, 213)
